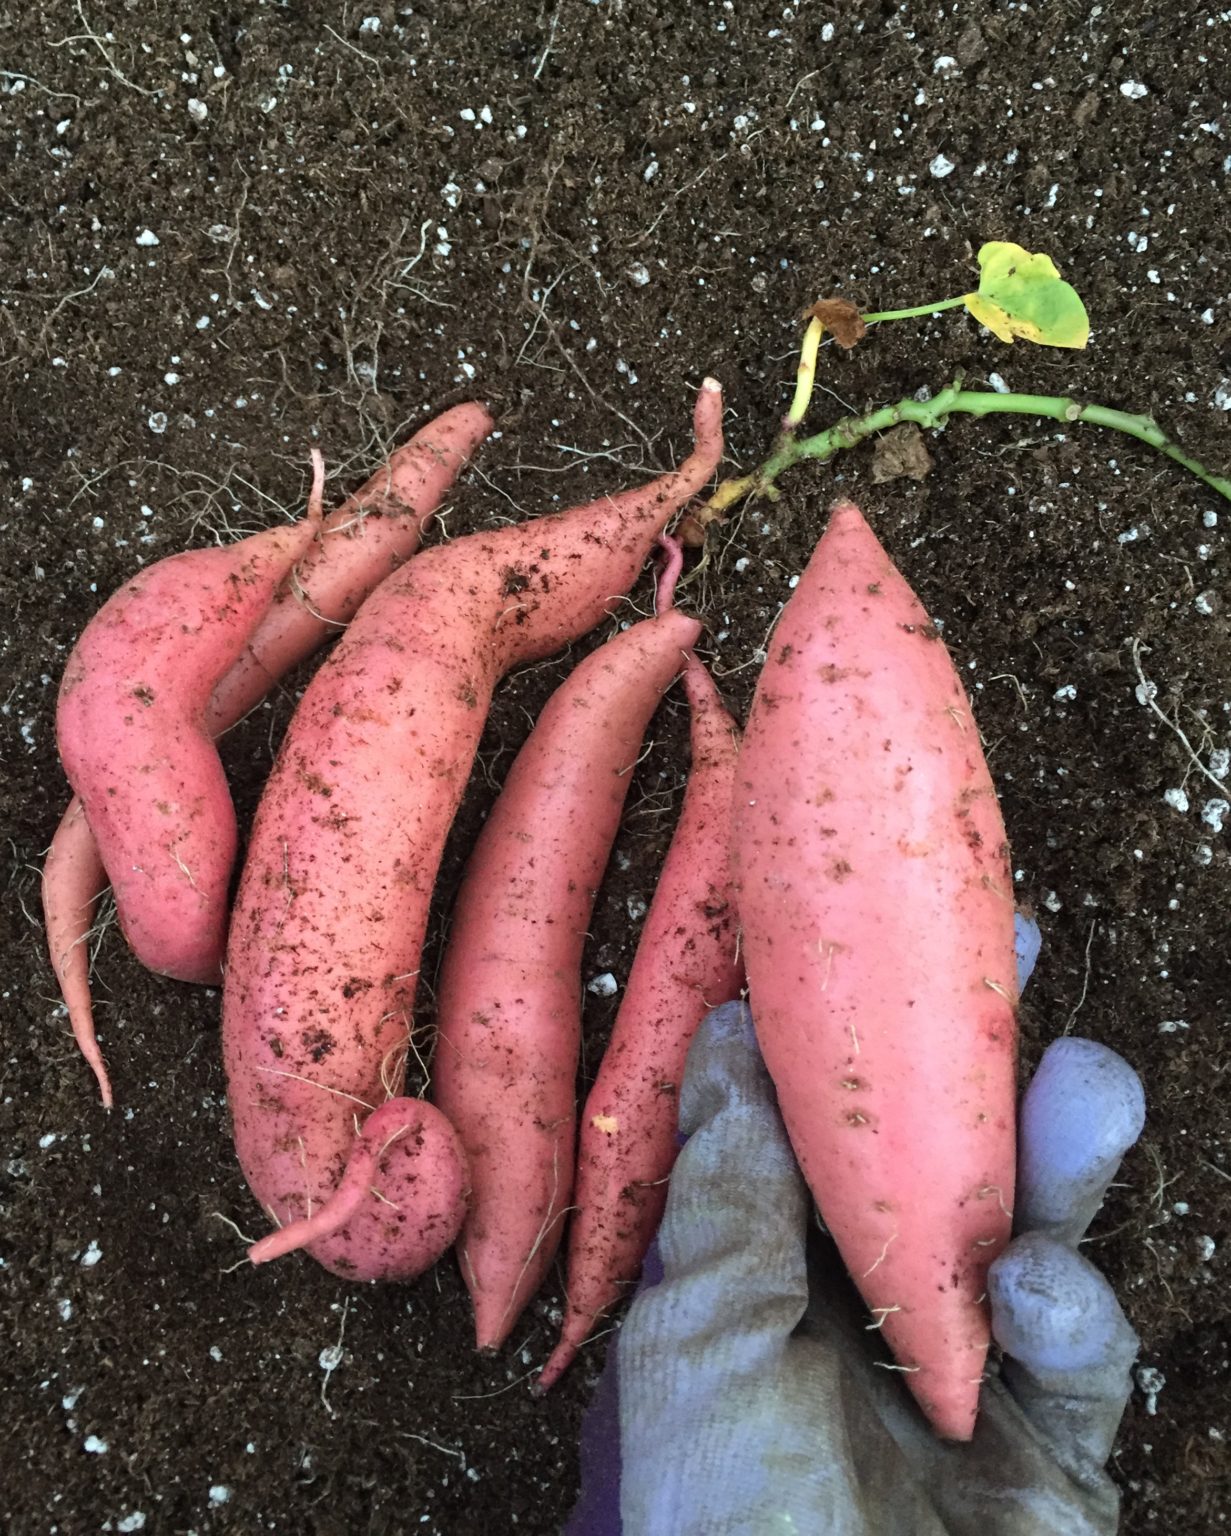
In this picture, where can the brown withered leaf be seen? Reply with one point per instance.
(690, 530)
(901, 454)
(841, 319)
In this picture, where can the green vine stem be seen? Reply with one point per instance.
(934, 413)
(919, 309)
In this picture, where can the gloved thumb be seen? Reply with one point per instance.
(1069, 1348)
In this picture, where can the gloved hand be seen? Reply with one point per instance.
(750, 1393)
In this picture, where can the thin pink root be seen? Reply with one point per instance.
(73, 882)
(673, 564)
(379, 1132)
(316, 496)
(92, 1051)
(400, 1202)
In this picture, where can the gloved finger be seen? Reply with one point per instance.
(1082, 1111)
(1069, 1348)
(737, 1166)
(1027, 942)
(718, 1427)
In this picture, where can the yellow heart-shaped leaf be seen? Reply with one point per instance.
(1023, 295)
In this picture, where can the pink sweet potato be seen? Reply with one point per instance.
(130, 724)
(876, 903)
(369, 536)
(332, 906)
(685, 965)
(509, 1001)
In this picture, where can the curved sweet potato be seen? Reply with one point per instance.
(130, 724)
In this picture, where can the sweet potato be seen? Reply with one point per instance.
(685, 965)
(876, 902)
(332, 906)
(371, 534)
(130, 724)
(509, 1001)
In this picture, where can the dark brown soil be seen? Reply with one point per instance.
(576, 211)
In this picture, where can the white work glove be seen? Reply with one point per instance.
(750, 1389)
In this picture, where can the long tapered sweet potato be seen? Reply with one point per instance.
(332, 906)
(509, 1002)
(685, 965)
(876, 902)
(369, 536)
